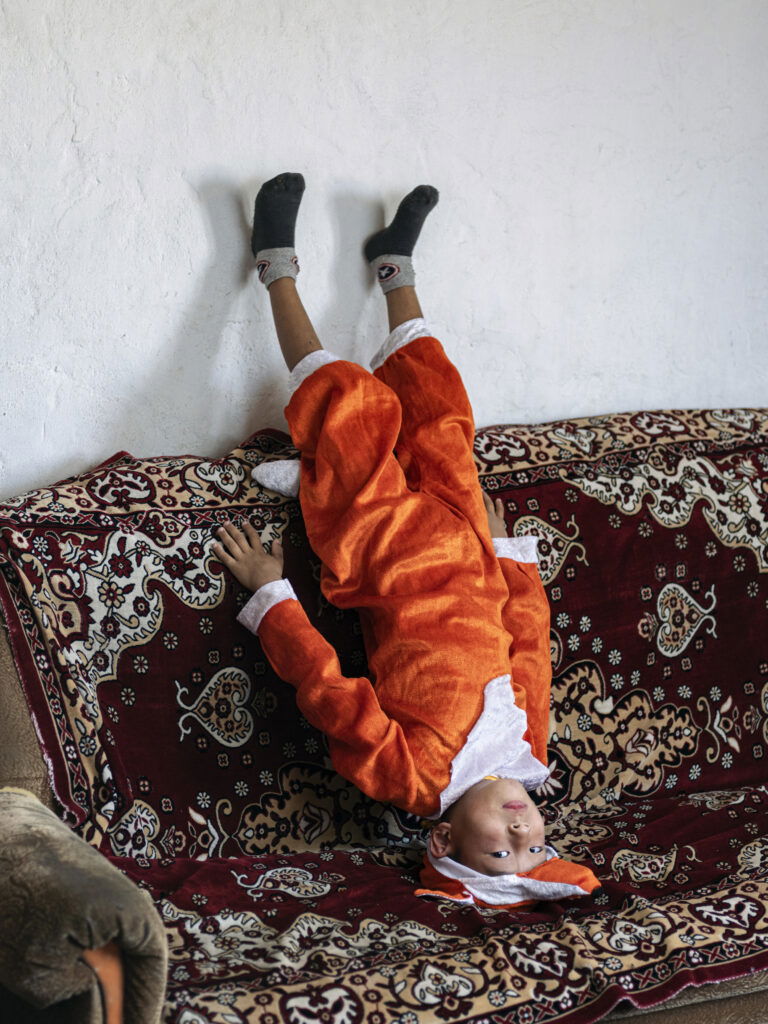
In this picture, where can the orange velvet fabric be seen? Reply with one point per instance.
(394, 510)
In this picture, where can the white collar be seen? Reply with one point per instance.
(494, 746)
(503, 889)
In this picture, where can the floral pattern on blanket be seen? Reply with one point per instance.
(287, 894)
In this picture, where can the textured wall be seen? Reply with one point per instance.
(600, 242)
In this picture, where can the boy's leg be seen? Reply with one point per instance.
(343, 420)
(435, 445)
(295, 332)
(273, 245)
(402, 306)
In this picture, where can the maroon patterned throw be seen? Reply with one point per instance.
(287, 895)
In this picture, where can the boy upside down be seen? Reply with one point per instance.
(453, 722)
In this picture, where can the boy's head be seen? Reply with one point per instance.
(494, 828)
(489, 849)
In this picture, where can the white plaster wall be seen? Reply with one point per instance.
(600, 244)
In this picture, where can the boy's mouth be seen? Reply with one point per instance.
(515, 805)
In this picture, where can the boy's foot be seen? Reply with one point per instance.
(389, 251)
(275, 212)
(400, 237)
(274, 226)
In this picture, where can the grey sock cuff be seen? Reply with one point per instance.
(393, 271)
(274, 263)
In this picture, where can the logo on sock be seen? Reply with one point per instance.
(261, 269)
(386, 271)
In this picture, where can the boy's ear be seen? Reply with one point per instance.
(439, 841)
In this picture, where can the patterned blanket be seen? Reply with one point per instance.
(287, 895)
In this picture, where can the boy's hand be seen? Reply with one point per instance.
(495, 511)
(244, 555)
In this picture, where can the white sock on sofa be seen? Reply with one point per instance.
(281, 476)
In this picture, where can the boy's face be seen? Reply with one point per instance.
(494, 828)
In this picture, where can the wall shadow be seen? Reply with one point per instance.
(184, 376)
(343, 326)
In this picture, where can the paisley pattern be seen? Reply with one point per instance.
(644, 867)
(681, 617)
(220, 708)
(288, 895)
(295, 881)
(554, 546)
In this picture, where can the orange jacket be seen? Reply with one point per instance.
(405, 541)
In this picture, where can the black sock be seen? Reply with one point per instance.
(274, 216)
(399, 238)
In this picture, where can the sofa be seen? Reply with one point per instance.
(168, 811)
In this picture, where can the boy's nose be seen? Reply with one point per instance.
(519, 826)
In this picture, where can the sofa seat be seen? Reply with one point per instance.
(293, 932)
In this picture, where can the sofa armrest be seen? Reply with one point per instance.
(21, 763)
(59, 899)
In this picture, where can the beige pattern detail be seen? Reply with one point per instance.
(243, 938)
(754, 856)
(294, 880)
(133, 834)
(313, 800)
(731, 497)
(716, 799)
(532, 446)
(647, 867)
(553, 546)
(723, 727)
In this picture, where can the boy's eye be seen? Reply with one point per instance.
(535, 849)
(500, 853)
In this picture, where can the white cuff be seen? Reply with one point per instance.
(522, 549)
(402, 335)
(307, 365)
(264, 598)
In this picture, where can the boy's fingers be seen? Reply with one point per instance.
(221, 553)
(232, 535)
(221, 543)
(487, 500)
(252, 533)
